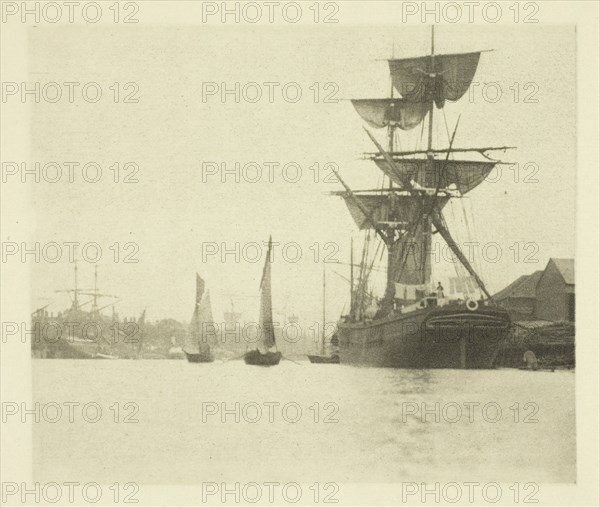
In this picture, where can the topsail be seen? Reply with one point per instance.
(438, 77)
(438, 174)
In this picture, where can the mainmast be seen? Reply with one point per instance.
(431, 75)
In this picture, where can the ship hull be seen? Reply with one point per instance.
(263, 359)
(68, 348)
(324, 359)
(448, 337)
(206, 357)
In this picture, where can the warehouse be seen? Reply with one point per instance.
(547, 295)
(555, 291)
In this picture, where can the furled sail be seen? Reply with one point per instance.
(380, 113)
(266, 309)
(413, 79)
(464, 175)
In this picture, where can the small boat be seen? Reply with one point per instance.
(322, 358)
(255, 357)
(175, 353)
(269, 356)
(197, 349)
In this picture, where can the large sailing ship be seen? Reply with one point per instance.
(86, 332)
(197, 348)
(412, 325)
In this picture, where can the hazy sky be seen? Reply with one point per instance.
(171, 213)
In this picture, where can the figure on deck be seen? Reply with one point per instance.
(440, 290)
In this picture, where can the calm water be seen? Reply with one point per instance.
(368, 436)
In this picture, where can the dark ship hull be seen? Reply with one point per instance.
(66, 348)
(267, 359)
(324, 359)
(80, 335)
(204, 357)
(448, 337)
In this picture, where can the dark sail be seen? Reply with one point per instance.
(413, 263)
(266, 309)
(201, 324)
(438, 78)
(380, 113)
(436, 173)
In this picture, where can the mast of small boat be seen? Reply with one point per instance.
(75, 291)
(324, 294)
(197, 316)
(351, 276)
(95, 304)
(198, 300)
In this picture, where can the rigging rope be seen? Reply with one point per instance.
(420, 138)
(446, 123)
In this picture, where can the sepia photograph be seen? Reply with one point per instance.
(299, 253)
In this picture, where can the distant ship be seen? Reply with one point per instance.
(232, 318)
(413, 325)
(81, 334)
(334, 356)
(197, 349)
(266, 340)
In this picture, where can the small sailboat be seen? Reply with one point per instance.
(322, 358)
(175, 352)
(270, 355)
(197, 349)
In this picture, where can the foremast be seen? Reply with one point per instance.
(403, 215)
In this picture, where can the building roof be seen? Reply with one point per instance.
(523, 287)
(566, 267)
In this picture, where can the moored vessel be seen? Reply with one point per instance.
(79, 333)
(414, 325)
